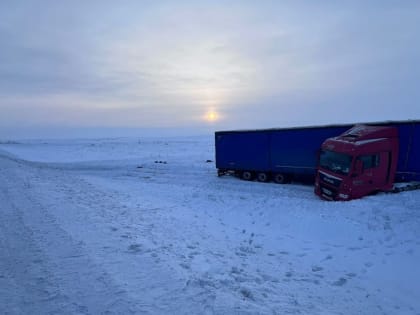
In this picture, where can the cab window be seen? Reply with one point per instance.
(369, 161)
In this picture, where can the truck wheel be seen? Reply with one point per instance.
(262, 177)
(280, 178)
(247, 175)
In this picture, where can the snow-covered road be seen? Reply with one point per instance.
(44, 269)
(124, 226)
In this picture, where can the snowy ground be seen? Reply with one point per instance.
(120, 226)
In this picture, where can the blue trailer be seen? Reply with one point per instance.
(280, 154)
(408, 166)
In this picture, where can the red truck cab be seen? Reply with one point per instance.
(359, 162)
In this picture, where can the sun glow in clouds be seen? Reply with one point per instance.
(211, 116)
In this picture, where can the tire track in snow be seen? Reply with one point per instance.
(123, 244)
(43, 267)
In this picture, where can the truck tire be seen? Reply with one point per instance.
(280, 178)
(262, 177)
(247, 175)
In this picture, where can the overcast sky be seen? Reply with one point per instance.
(99, 67)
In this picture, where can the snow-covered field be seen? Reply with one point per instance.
(133, 226)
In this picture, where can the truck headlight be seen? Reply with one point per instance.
(343, 196)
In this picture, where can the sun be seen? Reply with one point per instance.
(211, 116)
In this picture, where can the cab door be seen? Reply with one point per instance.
(381, 172)
(376, 171)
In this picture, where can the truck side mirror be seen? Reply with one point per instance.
(358, 169)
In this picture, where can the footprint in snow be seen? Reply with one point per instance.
(134, 248)
(193, 254)
(368, 264)
(289, 274)
(328, 257)
(185, 266)
(246, 293)
(317, 268)
(340, 282)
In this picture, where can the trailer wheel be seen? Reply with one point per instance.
(247, 175)
(280, 178)
(262, 177)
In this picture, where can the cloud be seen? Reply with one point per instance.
(167, 63)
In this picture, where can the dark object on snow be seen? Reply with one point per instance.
(209, 161)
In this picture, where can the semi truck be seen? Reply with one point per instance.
(345, 161)
(279, 154)
(369, 158)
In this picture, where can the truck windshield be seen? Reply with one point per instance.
(336, 162)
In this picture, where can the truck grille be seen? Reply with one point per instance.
(328, 192)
